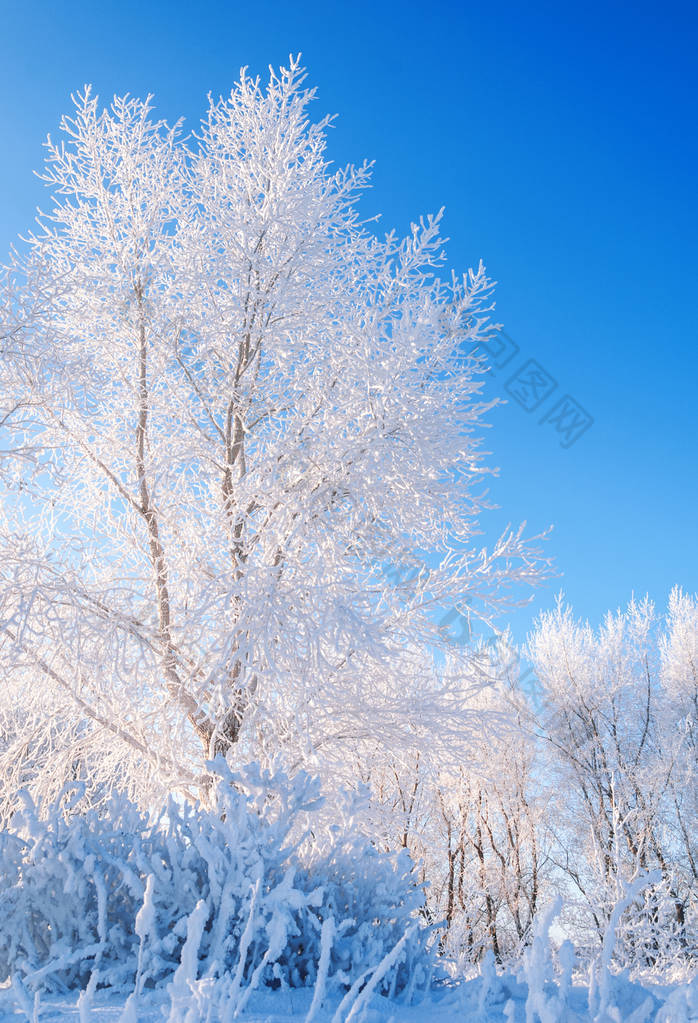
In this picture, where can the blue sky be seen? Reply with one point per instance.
(560, 138)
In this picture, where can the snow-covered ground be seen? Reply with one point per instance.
(486, 999)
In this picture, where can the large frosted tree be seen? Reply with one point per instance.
(236, 424)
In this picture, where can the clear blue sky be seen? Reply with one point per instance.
(562, 141)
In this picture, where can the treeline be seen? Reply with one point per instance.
(583, 782)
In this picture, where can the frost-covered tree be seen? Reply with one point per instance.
(494, 818)
(581, 783)
(619, 718)
(233, 422)
(478, 825)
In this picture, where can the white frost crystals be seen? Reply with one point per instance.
(232, 419)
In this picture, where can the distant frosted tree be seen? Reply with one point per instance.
(479, 823)
(620, 706)
(234, 422)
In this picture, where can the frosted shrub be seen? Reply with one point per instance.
(379, 894)
(193, 894)
(71, 888)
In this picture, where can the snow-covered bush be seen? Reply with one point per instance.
(71, 888)
(380, 894)
(223, 894)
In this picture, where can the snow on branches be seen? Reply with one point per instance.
(233, 422)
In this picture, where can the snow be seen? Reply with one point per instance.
(490, 998)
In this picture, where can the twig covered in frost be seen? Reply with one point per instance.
(245, 942)
(86, 999)
(144, 926)
(539, 969)
(327, 934)
(601, 989)
(184, 981)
